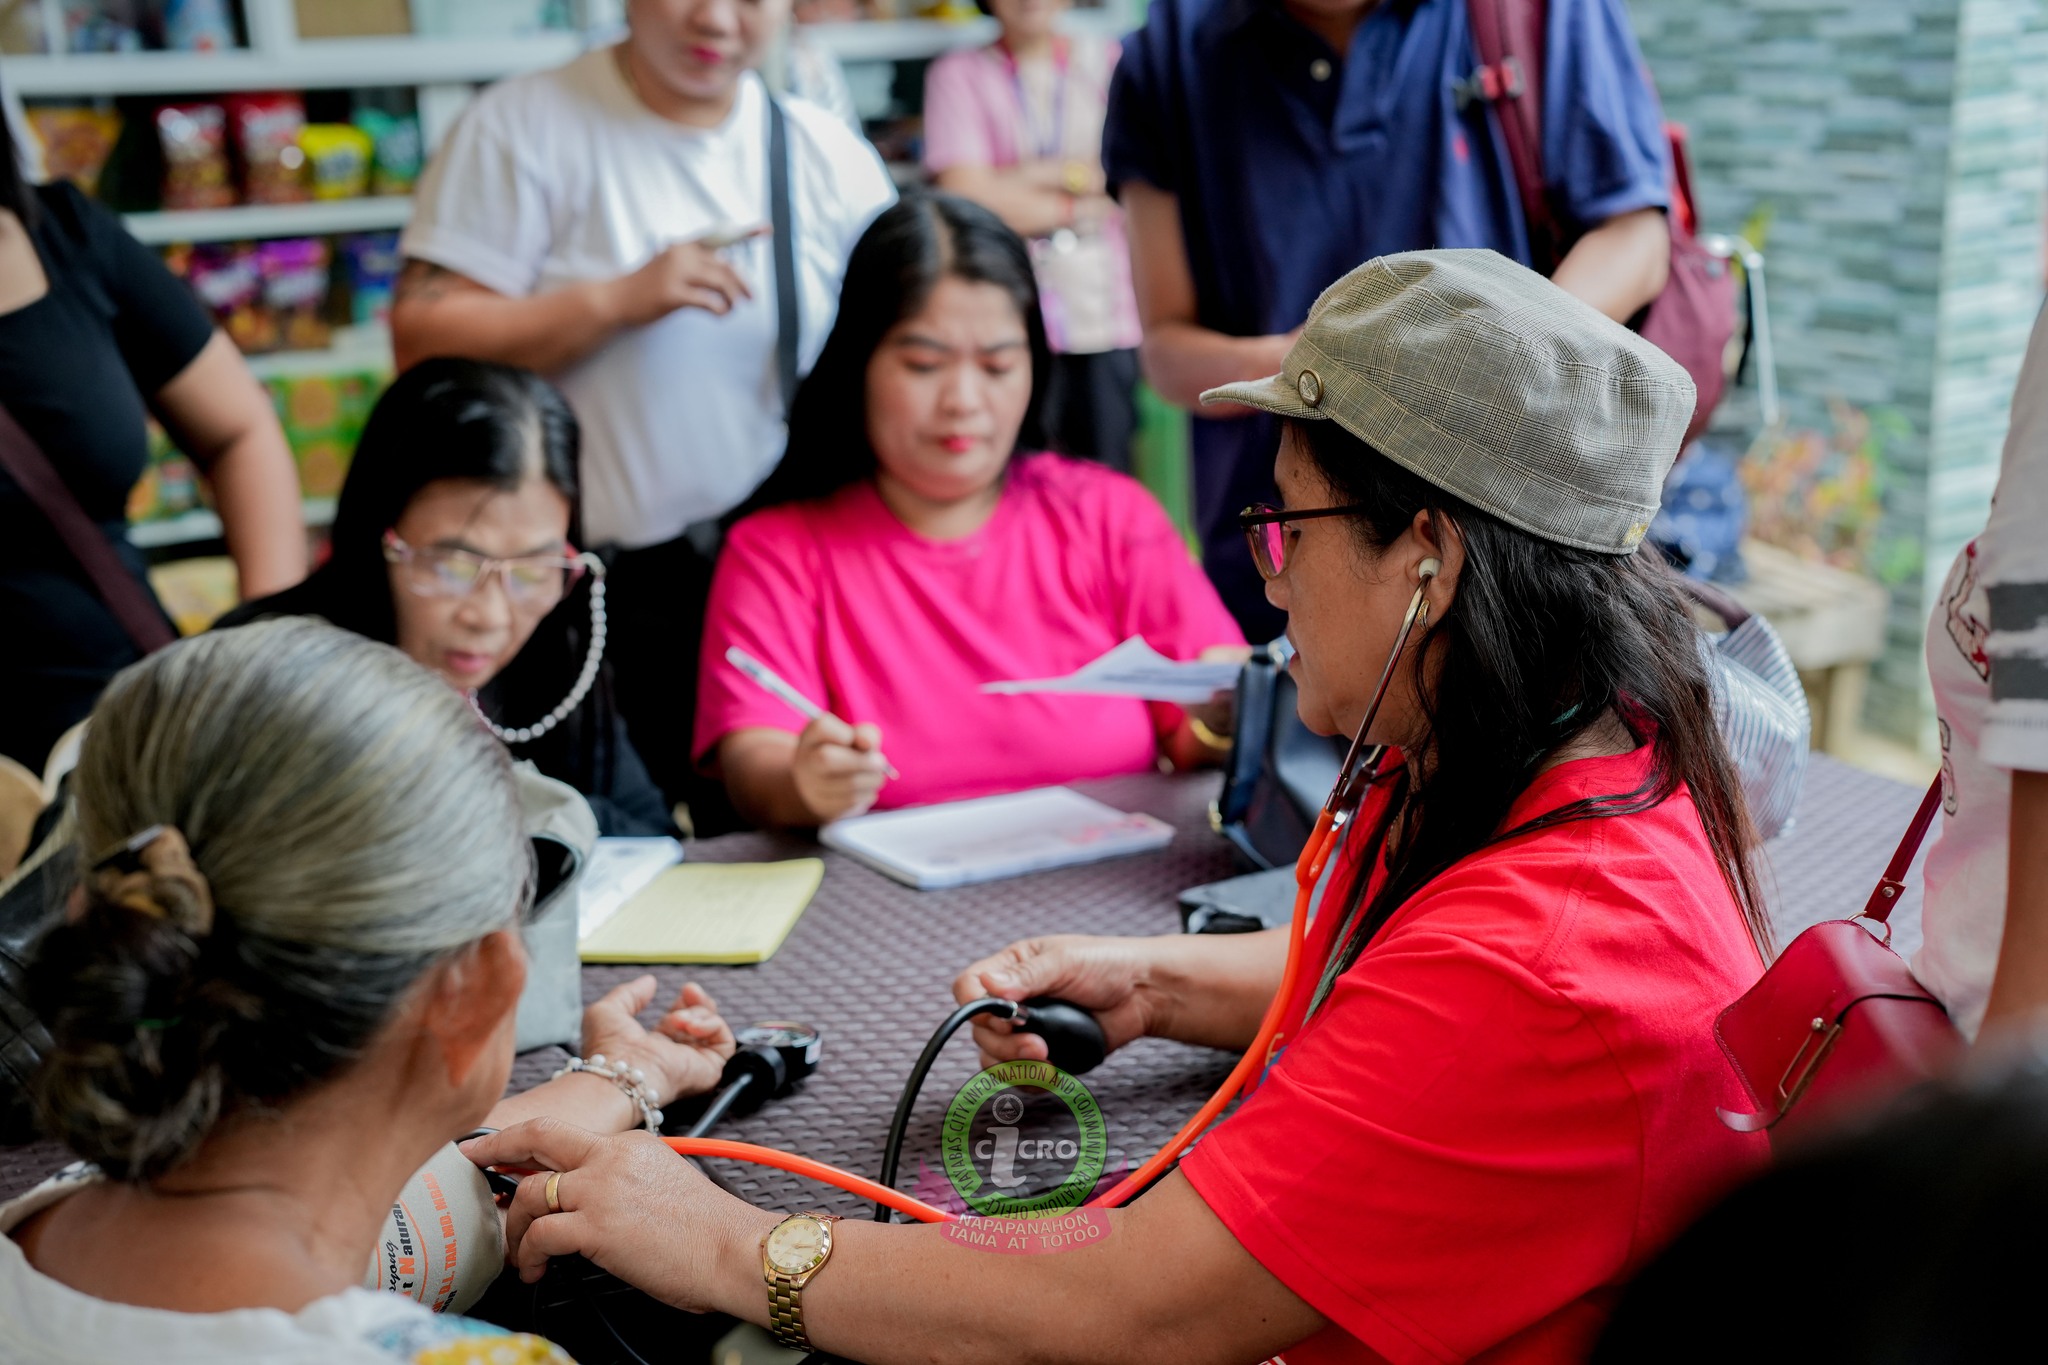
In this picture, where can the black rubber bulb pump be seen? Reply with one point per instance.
(1073, 1039)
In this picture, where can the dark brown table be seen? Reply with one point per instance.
(872, 963)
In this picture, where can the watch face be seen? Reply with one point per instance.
(798, 1244)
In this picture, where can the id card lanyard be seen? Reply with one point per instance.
(1048, 144)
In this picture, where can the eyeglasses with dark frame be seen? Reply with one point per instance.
(1269, 529)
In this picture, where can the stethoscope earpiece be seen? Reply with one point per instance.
(1429, 568)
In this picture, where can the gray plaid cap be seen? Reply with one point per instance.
(1494, 384)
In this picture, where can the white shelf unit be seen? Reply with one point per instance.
(286, 62)
(902, 40)
(362, 348)
(291, 64)
(202, 524)
(245, 221)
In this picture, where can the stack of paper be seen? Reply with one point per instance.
(709, 912)
(962, 842)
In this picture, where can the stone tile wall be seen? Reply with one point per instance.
(1900, 149)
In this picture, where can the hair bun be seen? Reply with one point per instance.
(153, 874)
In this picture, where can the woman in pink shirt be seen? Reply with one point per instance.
(1017, 127)
(912, 547)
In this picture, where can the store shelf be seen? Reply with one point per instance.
(900, 40)
(315, 64)
(362, 349)
(246, 221)
(202, 524)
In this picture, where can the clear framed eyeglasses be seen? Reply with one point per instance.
(534, 583)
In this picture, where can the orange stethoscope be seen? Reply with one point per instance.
(1346, 796)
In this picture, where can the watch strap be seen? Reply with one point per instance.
(786, 1312)
(786, 1294)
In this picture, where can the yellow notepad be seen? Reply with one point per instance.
(708, 912)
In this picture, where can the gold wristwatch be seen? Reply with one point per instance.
(791, 1253)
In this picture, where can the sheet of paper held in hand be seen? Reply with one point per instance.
(709, 912)
(961, 842)
(1135, 669)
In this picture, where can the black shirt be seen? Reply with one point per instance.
(78, 368)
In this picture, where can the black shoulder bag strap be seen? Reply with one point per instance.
(782, 217)
(128, 600)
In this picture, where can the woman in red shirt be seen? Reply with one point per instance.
(1497, 1087)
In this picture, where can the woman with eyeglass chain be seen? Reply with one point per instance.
(455, 539)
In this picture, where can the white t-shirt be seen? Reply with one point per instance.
(1987, 656)
(43, 1322)
(562, 177)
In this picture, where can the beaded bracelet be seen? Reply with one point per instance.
(629, 1079)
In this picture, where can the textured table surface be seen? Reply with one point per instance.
(871, 963)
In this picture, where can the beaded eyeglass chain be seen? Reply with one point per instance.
(585, 680)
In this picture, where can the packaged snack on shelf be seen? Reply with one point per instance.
(77, 140)
(373, 263)
(91, 26)
(195, 146)
(21, 28)
(323, 417)
(396, 152)
(196, 592)
(295, 282)
(228, 279)
(198, 26)
(169, 485)
(338, 156)
(266, 135)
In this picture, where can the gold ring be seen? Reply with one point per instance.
(553, 1191)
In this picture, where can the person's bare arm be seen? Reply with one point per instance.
(1620, 265)
(1165, 1282)
(437, 311)
(218, 414)
(1033, 198)
(1182, 358)
(915, 1294)
(1207, 989)
(782, 781)
(2020, 986)
(683, 1054)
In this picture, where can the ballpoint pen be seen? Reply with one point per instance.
(769, 681)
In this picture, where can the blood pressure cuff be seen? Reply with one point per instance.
(445, 1239)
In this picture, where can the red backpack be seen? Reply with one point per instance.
(1694, 318)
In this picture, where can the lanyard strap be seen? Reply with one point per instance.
(1049, 146)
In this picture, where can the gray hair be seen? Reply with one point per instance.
(349, 823)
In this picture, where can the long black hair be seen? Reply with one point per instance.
(479, 422)
(1540, 643)
(468, 420)
(903, 256)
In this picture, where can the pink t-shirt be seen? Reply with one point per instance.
(975, 114)
(878, 624)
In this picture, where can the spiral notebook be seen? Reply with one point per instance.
(963, 842)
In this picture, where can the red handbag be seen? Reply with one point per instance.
(1838, 1020)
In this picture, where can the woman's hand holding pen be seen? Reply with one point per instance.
(838, 768)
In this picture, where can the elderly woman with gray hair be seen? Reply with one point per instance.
(289, 979)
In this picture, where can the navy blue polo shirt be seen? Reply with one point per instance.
(1294, 164)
